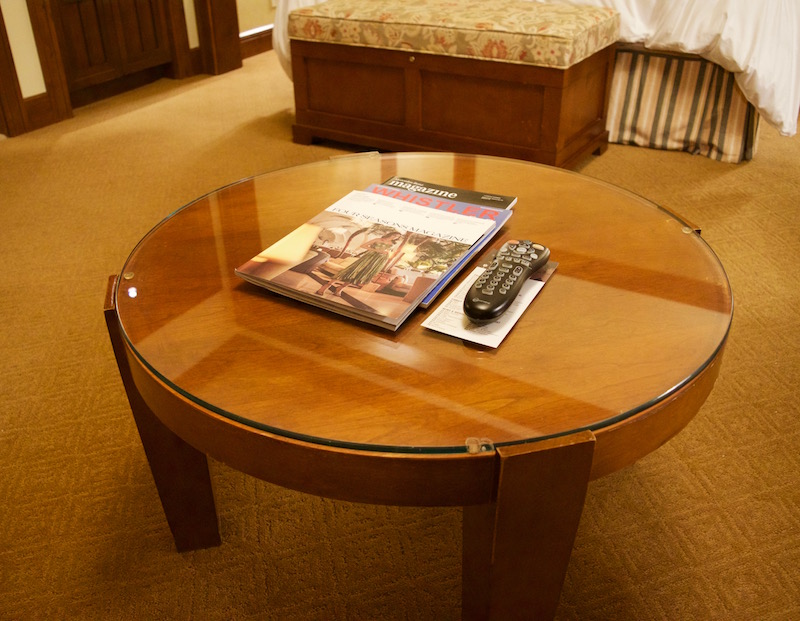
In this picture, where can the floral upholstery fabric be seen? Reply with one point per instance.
(515, 31)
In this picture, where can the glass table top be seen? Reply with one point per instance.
(638, 306)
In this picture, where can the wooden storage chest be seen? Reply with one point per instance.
(529, 81)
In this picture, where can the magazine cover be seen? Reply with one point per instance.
(497, 215)
(446, 192)
(367, 256)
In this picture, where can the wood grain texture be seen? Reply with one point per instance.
(618, 334)
(410, 101)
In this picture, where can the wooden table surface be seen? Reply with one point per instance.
(616, 354)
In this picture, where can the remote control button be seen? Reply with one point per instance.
(493, 292)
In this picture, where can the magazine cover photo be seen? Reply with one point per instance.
(368, 266)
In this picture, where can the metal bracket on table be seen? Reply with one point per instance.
(479, 445)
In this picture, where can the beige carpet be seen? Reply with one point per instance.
(706, 528)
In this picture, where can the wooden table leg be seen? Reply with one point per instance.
(516, 549)
(180, 471)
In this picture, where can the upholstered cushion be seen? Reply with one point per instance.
(516, 31)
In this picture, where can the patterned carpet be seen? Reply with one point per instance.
(707, 527)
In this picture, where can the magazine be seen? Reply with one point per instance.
(497, 215)
(367, 256)
(474, 197)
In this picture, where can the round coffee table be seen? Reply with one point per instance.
(614, 357)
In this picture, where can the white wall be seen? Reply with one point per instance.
(191, 23)
(23, 47)
(255, 15)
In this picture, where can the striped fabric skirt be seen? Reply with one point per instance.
(680, 102)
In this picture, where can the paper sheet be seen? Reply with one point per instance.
(449, 317)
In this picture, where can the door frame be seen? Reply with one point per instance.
(11, 118)
(218, 31)
(22, 114)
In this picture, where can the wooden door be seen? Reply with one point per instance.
(142, 29)
(102, 40)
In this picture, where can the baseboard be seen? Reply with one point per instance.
(257, 42)
(90, 94)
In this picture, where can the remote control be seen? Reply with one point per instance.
(493, 291)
